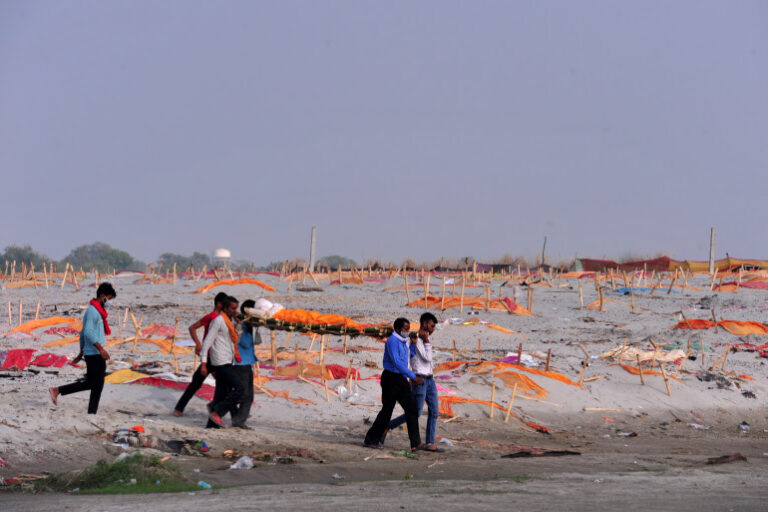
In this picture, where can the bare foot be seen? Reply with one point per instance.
(178, 414)
(54, 392)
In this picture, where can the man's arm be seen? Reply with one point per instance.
(193, 332)
(392, 352)
(208, 343)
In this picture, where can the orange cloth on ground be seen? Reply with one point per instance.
(634, 371)
(163, 344)
(43, 322)
(62, 342)
(302, 316)
(738, 328)
(265, 354)
(726, 287)
(695, 323)
(524, 384)
(484, 366)
(234, 282)
(448, 366)
(309, 369)
(502, 329)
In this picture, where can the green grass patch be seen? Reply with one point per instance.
(133, 475)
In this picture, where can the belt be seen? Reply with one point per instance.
(424, 376)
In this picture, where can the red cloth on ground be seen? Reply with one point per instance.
(48, 359)
(205, 392)
(19, 358)
(95, 303)
(340, 372)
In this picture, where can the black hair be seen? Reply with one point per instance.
(247, 304)
(229, 300)
(219, 298)
(426, 317)
(106, 289)
(399, 323)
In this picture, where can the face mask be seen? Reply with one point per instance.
(404, 334)
(107, 303)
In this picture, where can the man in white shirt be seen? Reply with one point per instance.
(421, 365)
(222, 340)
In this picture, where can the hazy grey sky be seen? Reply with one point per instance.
(400, 129)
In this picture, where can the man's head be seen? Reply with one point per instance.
(250, 303)
(402, 326)
(427, 322)
(218, 301)
(105, 292)
(230, 306)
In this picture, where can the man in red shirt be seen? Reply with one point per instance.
(198, 377)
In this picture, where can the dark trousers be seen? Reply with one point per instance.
(193, 387)
(229, 391)
(96, 369)
(245, 374)
(395, 388)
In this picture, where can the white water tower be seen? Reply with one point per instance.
(221, 257)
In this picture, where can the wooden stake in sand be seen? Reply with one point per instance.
(714, 319)
(655, 351)
(21, 305)
(346, 338)
(461, 300)
(487, 297)
(64, 279)
(530, 299)
(511, 403)
(479, 349)
(274, 348)
(173, 346)
(600, 299)
(714, 278)
(45, 275)
(640, 370)
(10, 321)
(581, 294)
(493, 398)
(520, 354)
(37, 311)
(549, 355)
(672, 283)
(407, 291)
(583, 367)
(666, 379)
(453, 352)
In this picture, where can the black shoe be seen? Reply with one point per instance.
(375, 446)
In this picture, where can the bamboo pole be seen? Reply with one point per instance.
(453, 352)
(21, 305)
(581, 294)
(10, 318)
(583, 367)
(672, 283)
(442, 302)
(407, 291)
(520, 354)
(258, 374)
(493, 398)
(549, 356)
(714, 278)
(346, 338)
(666, 379)
(479, 349)
(64, 279)
(288, 339)
(426, 290)
(511, 403)
(274, 349)
(714, 319)
(640, 370)
(461, 300)
(600, 298)
(173, 346)
(37, 311)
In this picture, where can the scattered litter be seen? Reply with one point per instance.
(337, 476)
(405, 453)
(607, 418)
(627, 434)
(725, 459)
(244, 462)
(126, 455)
(446, 441)
(744, 427)
(699, 426)
(748, 394)
(203, 484)
(539, 452)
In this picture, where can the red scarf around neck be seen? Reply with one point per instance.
(95, 303)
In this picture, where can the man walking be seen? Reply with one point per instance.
(222, 341)
(395, 388)
(198, 378)
(421, 365)
(92, 338)
(244, 369)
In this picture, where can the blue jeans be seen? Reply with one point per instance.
(428, 392)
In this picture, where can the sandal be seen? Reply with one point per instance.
(432, 448)
(217, 420)
(375, 446)
(422, 446)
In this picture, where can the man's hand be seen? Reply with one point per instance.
(424, 335)
(419, 381)
(78, 358)
(204, 370)
(198, 348)
(104, 354)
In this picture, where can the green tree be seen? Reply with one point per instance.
(24, 254)
(102, 257)
(197, 260)
(335, 260)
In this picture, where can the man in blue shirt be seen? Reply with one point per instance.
(244, 368)
(92, 339)
(395, 388)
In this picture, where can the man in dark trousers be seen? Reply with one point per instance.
(197, 377)
(221, 341)
(92, 339)
(395, 387)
